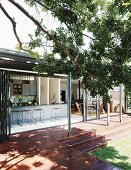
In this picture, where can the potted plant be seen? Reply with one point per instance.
(20, 98)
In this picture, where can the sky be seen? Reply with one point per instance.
(24, 25)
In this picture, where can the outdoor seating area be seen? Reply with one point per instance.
(51, 148)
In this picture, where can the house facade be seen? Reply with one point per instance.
(27, 97)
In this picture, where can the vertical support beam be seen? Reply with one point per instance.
(8, 109)
(108, 111)
(69, 103)
(84, 105)
(4, 106)
(38, 90)
(120, 102)
(79, 87)
(126, 103)
(0, 106)
(97, 107)
(87, 115)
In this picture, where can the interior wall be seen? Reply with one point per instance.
(54, 89)
(74, 91)
(44, 90)
(38, 90)
(28, 90)
(116, 99)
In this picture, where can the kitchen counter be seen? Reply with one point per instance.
(31, 114)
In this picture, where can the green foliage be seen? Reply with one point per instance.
(104, 61)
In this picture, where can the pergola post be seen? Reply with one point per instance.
(120, 102)
(84, 105)
(97, 107)
(69, 102)
(79, 88)
(86, 113)
(108, 111)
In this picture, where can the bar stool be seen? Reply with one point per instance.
(26, 115)
(23, 116)
(20, 117)
(56, 113)
(12, 117)
(42, 116)
(37, 115)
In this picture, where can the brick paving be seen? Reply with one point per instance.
(46, 149)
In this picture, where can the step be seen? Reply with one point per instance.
(91, 132)
(85, 139)
(101, 166)
(80, 140)
(91, 144)
(93, 147)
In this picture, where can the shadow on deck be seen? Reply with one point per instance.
(48, 149)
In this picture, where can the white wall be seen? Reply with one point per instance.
(116, 99)
(115, 94)
(74, 90)
(44, 95)
(54, 88)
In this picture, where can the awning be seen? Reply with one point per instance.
(20, 62)
(15, 60)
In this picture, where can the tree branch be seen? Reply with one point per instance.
(13, 23)
(14, 27)
(41, 4)
(76, 31)
(38, 24)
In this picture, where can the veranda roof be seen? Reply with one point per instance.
(20, 62)
(16, 60)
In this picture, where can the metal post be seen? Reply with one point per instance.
(84, 105)
(1, 106)
(126, 103)
(97, 107)
(79, 87)
(120, 102)
(8, 101)
(108, 112)
(69, 102)
(4, 106)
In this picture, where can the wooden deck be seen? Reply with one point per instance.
(51, 149)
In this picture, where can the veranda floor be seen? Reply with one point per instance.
(43, 150)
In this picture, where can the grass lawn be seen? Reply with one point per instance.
(117, 153)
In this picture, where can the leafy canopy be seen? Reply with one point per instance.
(92, 40)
